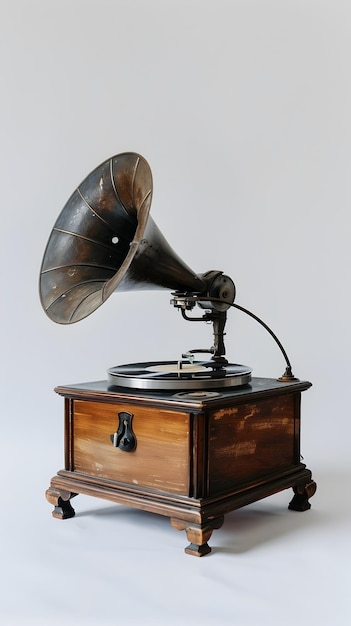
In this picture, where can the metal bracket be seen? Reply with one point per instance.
(124, 438)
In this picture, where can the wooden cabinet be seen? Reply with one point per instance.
(190, 456)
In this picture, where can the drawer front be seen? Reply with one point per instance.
(160, 460)
(250, 441)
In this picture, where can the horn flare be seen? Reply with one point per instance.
(104, 240)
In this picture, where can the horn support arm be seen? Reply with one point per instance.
(218, 319)
(217, 315)
(219, 294)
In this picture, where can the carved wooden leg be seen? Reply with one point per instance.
(61, 501)
(302, 493)
(197, 535)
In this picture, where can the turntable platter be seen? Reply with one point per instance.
(172, 375)
(176, 368)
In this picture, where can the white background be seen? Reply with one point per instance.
(242, 109)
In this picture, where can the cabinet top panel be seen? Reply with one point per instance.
(196, 401)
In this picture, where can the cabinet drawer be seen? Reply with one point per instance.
(161, 459)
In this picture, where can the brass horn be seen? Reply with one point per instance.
(104, 240)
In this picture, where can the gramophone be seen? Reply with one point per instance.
(190, 438)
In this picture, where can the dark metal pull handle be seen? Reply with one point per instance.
(124, 438)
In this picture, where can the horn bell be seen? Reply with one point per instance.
(104, 241)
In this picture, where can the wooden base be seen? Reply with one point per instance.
(197, 519)
(190, 460)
